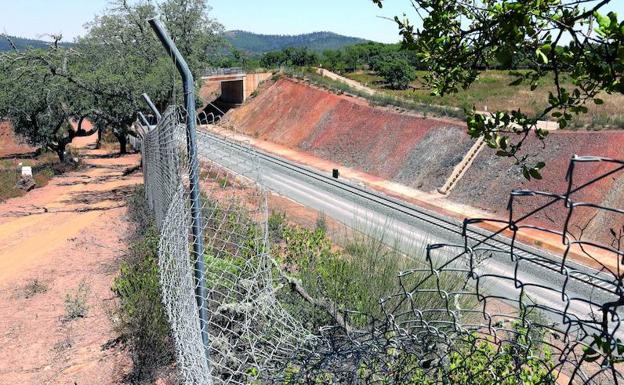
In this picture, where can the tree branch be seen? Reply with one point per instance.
(327, 305)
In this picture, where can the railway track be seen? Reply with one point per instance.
(542, 259)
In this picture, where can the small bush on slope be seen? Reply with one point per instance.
(76, 304)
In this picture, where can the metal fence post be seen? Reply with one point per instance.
(198, 239)
(151, 105)
(144, 120)
(144, 161)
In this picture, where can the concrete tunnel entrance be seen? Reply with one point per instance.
(233, 91)
(234, 85)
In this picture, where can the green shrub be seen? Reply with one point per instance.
(397, 72)
(76, 304)
(222, 272)
(357, 276)
(142, 320)
(276, 223)
(484, 363)
(469, 361)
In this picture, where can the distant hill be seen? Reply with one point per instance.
(245, 41)
(23, 43)
(317, 41)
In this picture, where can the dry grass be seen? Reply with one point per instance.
(76, 303)
(34, 287)
(492, 92)
(8, 180)
(44, 168)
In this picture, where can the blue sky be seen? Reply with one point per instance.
(34, 18)
(361, 18)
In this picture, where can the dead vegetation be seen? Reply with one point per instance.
(76, 302)
(34, 287)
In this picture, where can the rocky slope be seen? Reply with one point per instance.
(401, 147)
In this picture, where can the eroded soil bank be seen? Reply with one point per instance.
(348, 131)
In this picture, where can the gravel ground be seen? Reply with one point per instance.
(433, 159)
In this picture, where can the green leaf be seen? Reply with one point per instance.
(592, 358)
(552, 100)
(541, 55)
(525, 173)
(516, 82)
(541, 133)
(534, 172)
(603, 21)
(598, 101)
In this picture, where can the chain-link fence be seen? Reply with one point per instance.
(488, 310)
(253, 299)
(248, 328)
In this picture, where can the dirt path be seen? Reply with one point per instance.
(352, 83)
(52, 240)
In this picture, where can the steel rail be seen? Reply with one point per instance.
(501, 242)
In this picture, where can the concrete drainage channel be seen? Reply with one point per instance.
(462, 166)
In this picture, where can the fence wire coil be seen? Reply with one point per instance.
(469, 312)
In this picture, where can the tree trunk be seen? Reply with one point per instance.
(123, 143)
(60, 151)
(98, 143)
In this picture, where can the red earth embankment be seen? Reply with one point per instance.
(422, 152)
(405, 148)
(490, 179)
(10, 144)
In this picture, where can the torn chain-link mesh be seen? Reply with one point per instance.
(498, 321)
(249, 331)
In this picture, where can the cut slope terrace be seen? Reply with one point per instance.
(411, 156)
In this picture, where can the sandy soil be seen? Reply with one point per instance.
(69, 232)
(352, 83)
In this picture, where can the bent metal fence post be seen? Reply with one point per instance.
(198, 244)
(151, 105)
